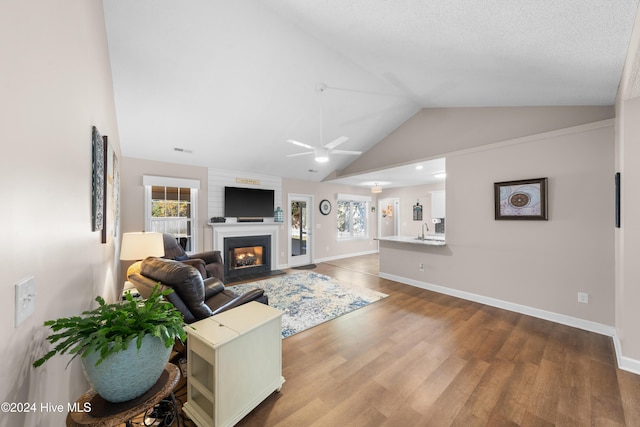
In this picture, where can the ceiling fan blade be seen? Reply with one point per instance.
(300, 154)
(300, 144)
(333, 144)
(355, 153)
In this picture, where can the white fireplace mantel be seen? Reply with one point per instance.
(222, 230)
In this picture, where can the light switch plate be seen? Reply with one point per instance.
(25, 299)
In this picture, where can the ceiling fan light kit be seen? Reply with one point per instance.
(321, 154)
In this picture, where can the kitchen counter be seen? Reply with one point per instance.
(429, 240)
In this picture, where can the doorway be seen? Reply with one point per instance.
(300, 227)
(388, 217)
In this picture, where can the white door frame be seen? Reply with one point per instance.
(395, 201)
(295, 261)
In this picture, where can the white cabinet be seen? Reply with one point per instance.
(234, 363)
(438, 204)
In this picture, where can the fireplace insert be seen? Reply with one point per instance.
(246, 255)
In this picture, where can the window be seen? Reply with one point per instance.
(351, 211)
(171, 207)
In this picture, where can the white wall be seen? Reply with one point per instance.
(628, 235)
(55, 84)
(326, 245)
(219, 179)
(538, 264)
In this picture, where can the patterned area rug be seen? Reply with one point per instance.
(308, 299)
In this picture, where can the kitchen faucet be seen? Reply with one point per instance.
(424, 224)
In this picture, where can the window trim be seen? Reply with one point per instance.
(148, 181)
(341, 197)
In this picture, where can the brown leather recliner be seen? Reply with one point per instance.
(209, 264)
(194, 297)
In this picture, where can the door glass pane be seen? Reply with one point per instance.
(298, 228)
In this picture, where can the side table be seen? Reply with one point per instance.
(107, 414)
(234, 363)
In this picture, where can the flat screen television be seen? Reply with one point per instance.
(252, 203)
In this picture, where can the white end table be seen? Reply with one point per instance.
(234, 362)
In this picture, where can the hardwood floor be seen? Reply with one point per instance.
(418, 358)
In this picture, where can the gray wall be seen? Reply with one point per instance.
(538, 264)
(435, 132)
(628, 236)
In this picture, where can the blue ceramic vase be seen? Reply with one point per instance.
(129, 373)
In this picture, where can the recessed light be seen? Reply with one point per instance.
(440, 175)
(419, 167)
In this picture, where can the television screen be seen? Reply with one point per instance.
(248, 202)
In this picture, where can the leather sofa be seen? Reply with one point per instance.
(209, 263)
(196, 298)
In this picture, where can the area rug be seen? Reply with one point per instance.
(308, 299)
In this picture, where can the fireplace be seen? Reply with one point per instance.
(246, 256)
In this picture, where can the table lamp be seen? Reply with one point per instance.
(139, 245)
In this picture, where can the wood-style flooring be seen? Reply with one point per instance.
(419, 358)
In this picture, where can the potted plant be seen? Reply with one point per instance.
(123, 346)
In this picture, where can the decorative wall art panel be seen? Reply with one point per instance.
(98, 187)
(521, 200)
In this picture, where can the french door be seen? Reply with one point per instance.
(300, 229)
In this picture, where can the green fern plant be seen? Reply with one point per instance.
(111, 327)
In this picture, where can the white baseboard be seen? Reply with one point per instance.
(333, 258)
(624, 363)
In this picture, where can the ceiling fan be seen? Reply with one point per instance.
(321, 154)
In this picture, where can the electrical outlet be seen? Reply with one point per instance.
(25, 299)
(583, 297)
(421, 267)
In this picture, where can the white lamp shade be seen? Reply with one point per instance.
(137, 246)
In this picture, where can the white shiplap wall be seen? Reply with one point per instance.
(218, 179)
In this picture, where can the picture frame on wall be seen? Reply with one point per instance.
(105, 193)
(524, 199)
(417, 211)
(97, 181)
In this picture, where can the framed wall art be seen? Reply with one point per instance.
(525, 199)
(417, 211)
(97, 181)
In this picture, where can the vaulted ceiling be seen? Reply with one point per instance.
(228, 82)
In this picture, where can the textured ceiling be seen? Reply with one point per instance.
(231, 81)
(452, 53)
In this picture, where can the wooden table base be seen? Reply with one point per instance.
(101, 413)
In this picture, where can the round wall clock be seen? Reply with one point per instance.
(325, 207)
